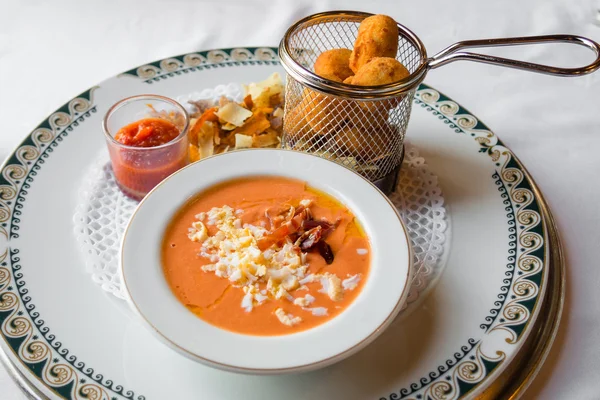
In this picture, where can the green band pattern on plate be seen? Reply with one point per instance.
(185, 63)
(526, 246)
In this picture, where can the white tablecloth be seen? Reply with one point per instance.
(50, 51)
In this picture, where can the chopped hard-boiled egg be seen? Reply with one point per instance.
(351, 283)
(304, 301)
(237, 257)
(332, 285)
(317, 311)
(198, 232)
(273, 273)
(287, 319)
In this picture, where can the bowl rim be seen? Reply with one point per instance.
(299, 368)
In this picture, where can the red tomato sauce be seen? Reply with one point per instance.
(143, 166)
(147, 132)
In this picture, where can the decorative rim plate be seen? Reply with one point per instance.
(53, 323)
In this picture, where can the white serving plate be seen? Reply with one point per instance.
(68, 337)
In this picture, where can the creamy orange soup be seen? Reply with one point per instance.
(265, 256)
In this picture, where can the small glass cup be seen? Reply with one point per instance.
(139, 169)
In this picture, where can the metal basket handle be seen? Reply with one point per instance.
(453, 53)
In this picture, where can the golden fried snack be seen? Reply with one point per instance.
(295, 126)
(348, 80)
(380, 71)
(351, 141)
(365, 145)
(334, 63)
(321, 111)
(377, 37)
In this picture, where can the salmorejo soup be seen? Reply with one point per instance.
(265, 256)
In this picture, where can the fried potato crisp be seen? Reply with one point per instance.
(225, 125)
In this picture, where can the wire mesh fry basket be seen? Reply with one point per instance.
(363, 127)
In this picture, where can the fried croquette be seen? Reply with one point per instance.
(380, 71)
(377, 37)
(334, 63)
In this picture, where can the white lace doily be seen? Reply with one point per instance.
(419, 200)
(100, 219)
(103, 211)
